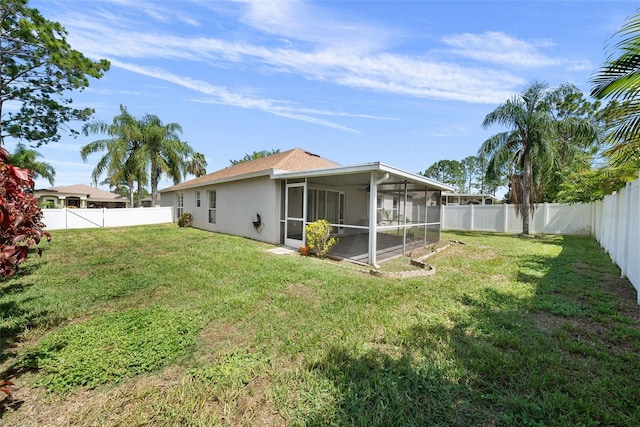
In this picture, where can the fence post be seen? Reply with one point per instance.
(545, 217)
(505, 212)
(637, 264)
(624, 265)
(471, 217)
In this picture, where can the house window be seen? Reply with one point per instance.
(73, 202)
(197, 199)
(212, 207)
(394, 211)
(325, 204)
(180, 205)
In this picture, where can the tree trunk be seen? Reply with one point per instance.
(526, 207)
(139, 194)
(130, 184)
(154, 183)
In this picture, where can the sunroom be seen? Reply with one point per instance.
(377, 211)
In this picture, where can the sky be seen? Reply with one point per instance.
(406, 83)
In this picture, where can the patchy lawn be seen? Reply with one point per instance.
(158, 325)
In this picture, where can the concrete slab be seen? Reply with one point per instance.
(281, 250)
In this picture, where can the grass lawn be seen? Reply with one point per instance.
(158, 325)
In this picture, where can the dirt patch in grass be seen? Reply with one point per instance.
(217, 337)
(625, 295)
(113, 406)
(480, 253)
(547, 322)
(254, 408)
(580, 266)
(299, 290)
(390, 350)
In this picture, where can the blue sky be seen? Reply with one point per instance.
(405, 83)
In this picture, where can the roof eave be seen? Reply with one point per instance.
(179, 187)
(365, 167)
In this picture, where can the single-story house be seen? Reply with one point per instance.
(271, 199)
(79, 196)
(454, 199)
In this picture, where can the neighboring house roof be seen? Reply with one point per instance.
(82, 191)
(293, 160)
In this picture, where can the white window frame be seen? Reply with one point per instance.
(197, 199)
(213, 202)
(179, 205)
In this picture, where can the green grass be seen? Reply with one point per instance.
(159, 325)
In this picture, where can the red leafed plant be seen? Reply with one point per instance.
(20, 217)
(6, 386)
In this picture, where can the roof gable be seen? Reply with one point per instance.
(293, 160)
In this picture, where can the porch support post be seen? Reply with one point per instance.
(426, 212)
(404, 228)
(304, 212)
(373, 241)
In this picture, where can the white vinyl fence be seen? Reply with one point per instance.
(60, 219)
(549, 218)
(614, 222)
(616, 226)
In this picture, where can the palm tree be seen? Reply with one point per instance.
(28, 159)
(122, 159)
(197, 165)
(532, 144)
(619, 78)
(165, 153)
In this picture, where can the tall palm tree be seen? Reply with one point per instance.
(197, 165)
(532, 145)
(165, 153)
(26, 158)
(619, 78)
(122, 159)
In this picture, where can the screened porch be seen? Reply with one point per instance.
(377, 212)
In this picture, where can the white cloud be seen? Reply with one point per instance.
(221, 95)
(64, 146)
(500, 48)
(315, 45)
(311, 23)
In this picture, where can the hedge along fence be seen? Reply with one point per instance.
(61, 219)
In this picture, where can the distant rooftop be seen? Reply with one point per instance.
(81, 190)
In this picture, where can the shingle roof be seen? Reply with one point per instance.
(293, 160)
(82, 190)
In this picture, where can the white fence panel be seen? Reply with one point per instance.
(456, 218)
(568, 219)
(618, 231)
(60, 219)
(547, 218)
(633, 235)
(488, 217)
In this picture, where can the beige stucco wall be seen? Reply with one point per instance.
(237, 203)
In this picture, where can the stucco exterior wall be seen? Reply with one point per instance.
(237, 203)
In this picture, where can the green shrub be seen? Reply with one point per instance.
(319, 237)
(185, 220)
